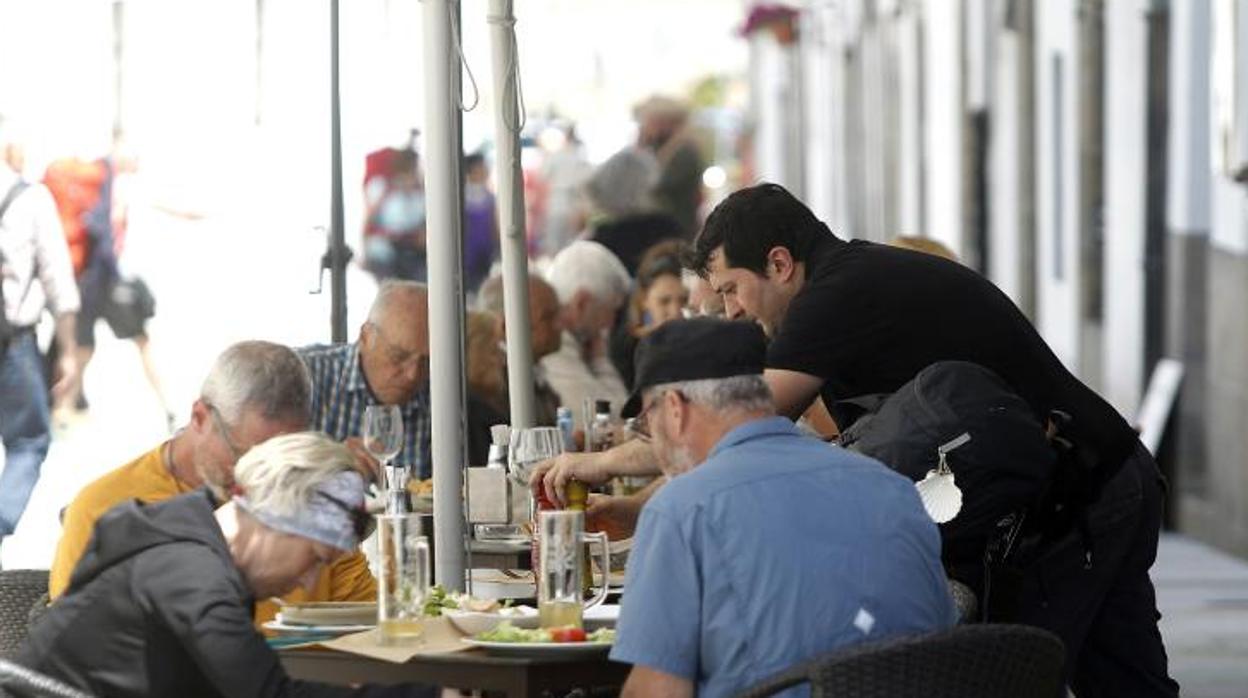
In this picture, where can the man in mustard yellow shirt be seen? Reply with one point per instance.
(256, 390)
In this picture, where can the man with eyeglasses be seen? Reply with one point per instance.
(387, 365)
(255, 390)
(766, 547)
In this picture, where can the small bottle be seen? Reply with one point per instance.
(563, 420)
(577, 493)
(601, 435)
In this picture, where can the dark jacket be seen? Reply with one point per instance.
(156, 607)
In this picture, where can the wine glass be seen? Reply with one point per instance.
(530, 447)
(383, 436)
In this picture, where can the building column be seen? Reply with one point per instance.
(943, 120)
(1058, 312)
(1125, 171)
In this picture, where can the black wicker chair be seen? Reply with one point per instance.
(17, 681)
(19, 590)
(973, 661)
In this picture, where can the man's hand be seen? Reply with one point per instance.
(368, 466)
(66, 374)
(614, 516)
(553, 475)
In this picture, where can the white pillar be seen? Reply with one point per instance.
(775, 92)
(943, 116)
(511, 232)
(1188, 185)
(1126, 167)
(1057, 178)
(446, 302)
(1004, 264)
(820, 62)
(910, 122)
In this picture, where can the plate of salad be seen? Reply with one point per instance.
(508, 640)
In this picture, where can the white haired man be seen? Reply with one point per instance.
(387, 365)
(255, 391)
(592, 285)
(161, 603)
(35, 273)
(766, 547)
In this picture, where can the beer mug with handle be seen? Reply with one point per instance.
(403, 578)
(561, 565)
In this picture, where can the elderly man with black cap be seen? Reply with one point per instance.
(767, 546)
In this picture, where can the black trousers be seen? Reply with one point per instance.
(1106, 614)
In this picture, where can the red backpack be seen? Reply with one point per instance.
(75, 186)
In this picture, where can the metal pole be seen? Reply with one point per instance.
(446, 360)
(337, 242)
(511, 215)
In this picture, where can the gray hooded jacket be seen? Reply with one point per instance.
(156, 607)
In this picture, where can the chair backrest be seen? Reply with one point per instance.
(19, 589)
(20, 682)
(973, 661)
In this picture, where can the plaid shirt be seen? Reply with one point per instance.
(340, 394)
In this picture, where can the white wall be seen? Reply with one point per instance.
(943, 114)
(1057, 179)
(1126, 164)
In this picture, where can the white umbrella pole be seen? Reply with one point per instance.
(507, 120)
(446, 360)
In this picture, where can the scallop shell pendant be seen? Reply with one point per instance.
(939, 490)
(941, 496)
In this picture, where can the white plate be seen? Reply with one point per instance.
(278, 626)
(604, 616)
(539, 649)
(476, 622)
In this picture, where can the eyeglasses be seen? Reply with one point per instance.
(361, 522)
(219, 422)
(398, 355)
(639, 426)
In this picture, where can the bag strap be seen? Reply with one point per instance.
(14, 191)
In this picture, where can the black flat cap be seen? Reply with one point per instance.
(696, 349)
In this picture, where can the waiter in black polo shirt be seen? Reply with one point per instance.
(849, 319)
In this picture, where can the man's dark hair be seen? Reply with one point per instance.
(750, 222)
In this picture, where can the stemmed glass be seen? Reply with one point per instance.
(383, 438)
(528, 448)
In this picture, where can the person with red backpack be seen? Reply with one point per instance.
(95, 219)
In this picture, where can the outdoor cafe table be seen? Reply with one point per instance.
(470, 670)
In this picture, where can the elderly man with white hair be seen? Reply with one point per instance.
(255, 390)
(591, 284)
(161, 603)
(387, 365)
(766, 547)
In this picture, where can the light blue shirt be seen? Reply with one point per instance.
(777, 548)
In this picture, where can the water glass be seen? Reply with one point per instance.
(561, 566)
(403, 579)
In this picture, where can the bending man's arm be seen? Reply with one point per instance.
(792, 391)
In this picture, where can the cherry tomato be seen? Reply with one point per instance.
(567, 634)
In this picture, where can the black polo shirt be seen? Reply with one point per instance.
(869, 317)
